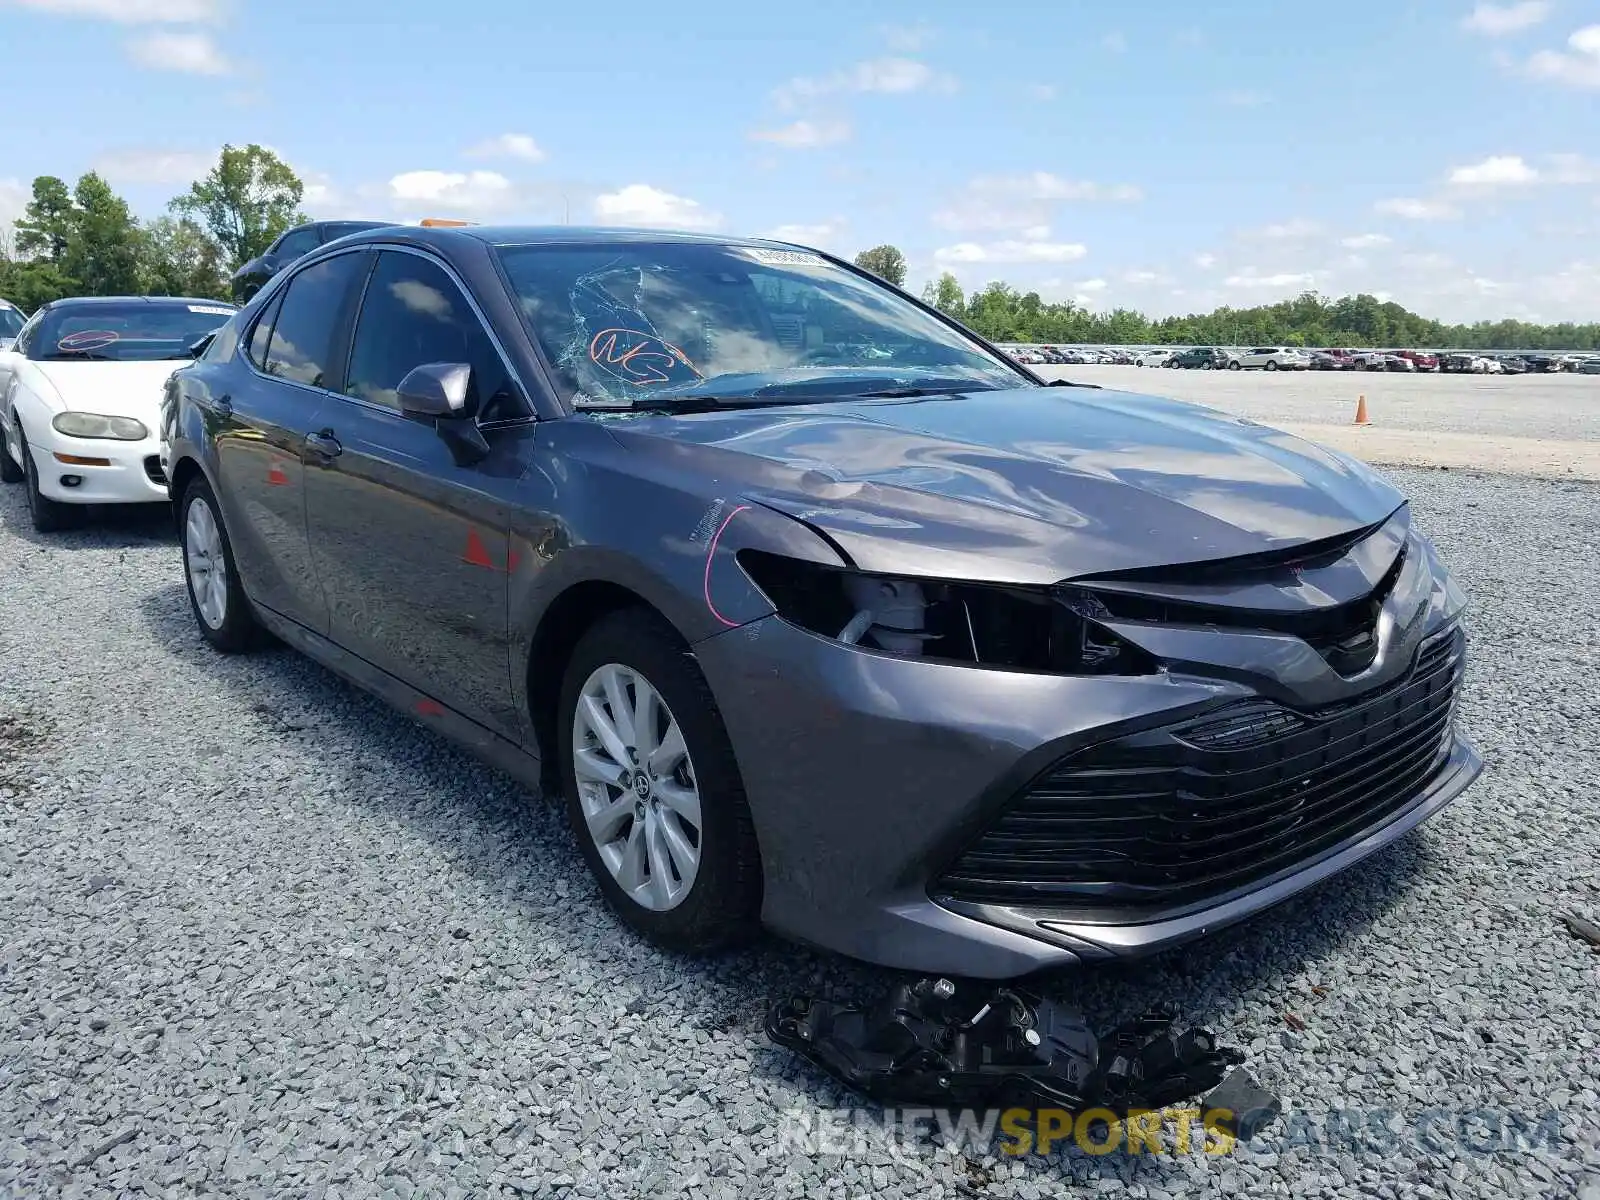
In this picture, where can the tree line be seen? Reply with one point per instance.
(1002, 313)
(83, 240)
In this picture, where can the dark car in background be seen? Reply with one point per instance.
(815, 610)
(291, 245)
(1203, 358)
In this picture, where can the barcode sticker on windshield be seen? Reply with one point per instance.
(215, 310)
(786, 258)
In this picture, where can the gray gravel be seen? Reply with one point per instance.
(260, 936)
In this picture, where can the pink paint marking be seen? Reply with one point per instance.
(712, 553)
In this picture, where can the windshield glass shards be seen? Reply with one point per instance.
(656, 325)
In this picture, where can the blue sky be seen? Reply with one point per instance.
(1442, 152)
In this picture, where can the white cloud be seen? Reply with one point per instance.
(452, 192)
(14, 197)
(1142, 278)
(805, 135)
(133, 12)
(824, 235)
(188, 53)
(641, 204)
(1115, 42)
(508, 145)
(891, 76)
(1413, 209)
(1297, 229)
(1572, 168)
(1043, 186)
(1043, 91)
(1366, 241)
(1248, 280)
(1092, 285)
(1205, 261)
(1498, 20)
(153, 166)
(908, 39)
(1009, 252)
(1580, 68)
(1497, 170)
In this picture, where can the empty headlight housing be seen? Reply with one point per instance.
(1052, 630)
(90, 425)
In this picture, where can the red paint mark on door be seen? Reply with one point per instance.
(276, 477)
(428, 708)
(477, 554)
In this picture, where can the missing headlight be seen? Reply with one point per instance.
(988, 625)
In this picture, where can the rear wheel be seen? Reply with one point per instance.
(49, 516)
(1272, 364)
(652, 789)
(216, 597)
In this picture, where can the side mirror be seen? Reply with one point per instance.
(435, 390)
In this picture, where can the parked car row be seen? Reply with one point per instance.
(570, 497)
(1291, 358)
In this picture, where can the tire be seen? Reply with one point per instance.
(216, 597)
(49, 516)
(1210, 366)
(1234, 366)
(1272, 364)
(10, 470)
(721, 905)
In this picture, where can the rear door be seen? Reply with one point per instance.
(410, 539)
(263, 427)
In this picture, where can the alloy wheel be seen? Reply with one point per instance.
(636, 786)
(206, 563)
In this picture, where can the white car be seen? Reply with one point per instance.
(11, 323)
(1152, 358)
(1272, 358)
(80, 399)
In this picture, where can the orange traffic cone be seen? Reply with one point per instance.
(1361, 412)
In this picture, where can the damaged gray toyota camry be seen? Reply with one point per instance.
(818, 612)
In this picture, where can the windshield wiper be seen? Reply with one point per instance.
(66, 355)
(1073, 383)
(907, 393)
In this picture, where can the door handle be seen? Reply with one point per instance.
(324, 444)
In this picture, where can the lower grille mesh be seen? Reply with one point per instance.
(1189, 811)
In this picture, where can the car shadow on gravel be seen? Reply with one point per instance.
(99, 526)
(1265, 961)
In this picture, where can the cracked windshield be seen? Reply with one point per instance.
(653, 323)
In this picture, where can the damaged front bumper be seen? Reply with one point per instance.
(933, 1042)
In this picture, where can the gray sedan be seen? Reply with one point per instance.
(817, 611)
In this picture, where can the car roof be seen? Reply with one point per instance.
(103, 301)
(555, 235)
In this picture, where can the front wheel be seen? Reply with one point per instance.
(49, 516)
(216, 596)
(1272, 365)
(652, 789)
(1234, 366)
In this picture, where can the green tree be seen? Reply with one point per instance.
(886, 262)
(46, 226)
(102, 252)
(28, 284)
(245, 201)
(178, 258)
(946, 295)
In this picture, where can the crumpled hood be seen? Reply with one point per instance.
(110, 389)
(1028, 486)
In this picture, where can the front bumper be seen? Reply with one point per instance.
(867, 775)
(125, 473)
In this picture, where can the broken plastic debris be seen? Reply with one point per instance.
(940, 1043)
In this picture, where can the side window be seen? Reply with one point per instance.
(256, 348)
(413, 314)
(301, 241)
(28, 334)
(303, 336)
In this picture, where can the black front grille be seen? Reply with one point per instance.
(1189, 811)
(152, 468)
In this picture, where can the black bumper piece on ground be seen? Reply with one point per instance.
(932, 1042)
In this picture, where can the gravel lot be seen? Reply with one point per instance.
(262, 936)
